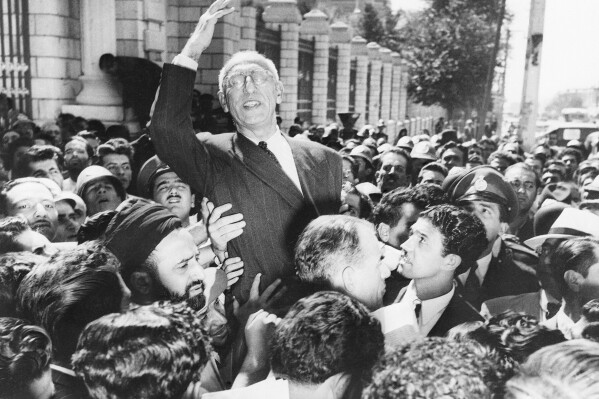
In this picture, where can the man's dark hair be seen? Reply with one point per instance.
(577, 254)
(398, 151)
(463, 233)
(388, 210)
(14, 266)
(328, 242)
(590, 310)
(508, 157)
(106, 61)
(433, 368)
(149, 352)
(88, 148)
(72, 289)
(366, 204)
(14, 146)
(25, 354)
(325, 334)
(115, 146)
(98, 127)
(435, 167)
(10, 228)
(36, 153)
(570, 151)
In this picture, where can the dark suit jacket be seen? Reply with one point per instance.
(458, 311)
(504, 277)
(229, 168)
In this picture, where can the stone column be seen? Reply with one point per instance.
(55, 56)
(360, 52)
(315, 25)
(99, 98)
(375, 82)
(386, 86)
(248, 28)
(403, 92)
(341, 37)
(284, 13)
(395, 85)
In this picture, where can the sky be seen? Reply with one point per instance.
(570, 57)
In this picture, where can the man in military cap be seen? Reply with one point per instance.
(483, 192)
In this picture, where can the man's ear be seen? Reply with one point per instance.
(279, 90)
(193, 201)
(336, 386)
(451, 262)
(141, 282)
(383, 231)
(348, 279)
(223, 101)
(574, 280)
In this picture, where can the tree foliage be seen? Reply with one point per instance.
(448, 48)
(371, 26)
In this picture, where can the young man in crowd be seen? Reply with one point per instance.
(71, 215)
(158, 182)
(526, 184)
(444, 242)
(40, 161)
(17, 236)
(32, 199)
(116, 155)
(433, 173)
(483, 192)
(100, 189)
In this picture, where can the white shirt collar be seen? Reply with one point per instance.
(431, 309)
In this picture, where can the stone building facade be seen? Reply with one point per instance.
(67, 38)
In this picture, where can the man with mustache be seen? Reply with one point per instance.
(32, 199)
(77, 156)
(157, 181)
(395, 170)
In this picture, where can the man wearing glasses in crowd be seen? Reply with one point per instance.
(278, 184)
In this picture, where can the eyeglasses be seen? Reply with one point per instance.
(238, 80)
(527, 184)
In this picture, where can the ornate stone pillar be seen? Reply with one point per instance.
(360, 52)
(375, 82)
(341, 37)
(99, 97)
(284, 13)
(315, 25)
(386, 85)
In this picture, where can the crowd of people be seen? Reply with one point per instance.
(322, 262)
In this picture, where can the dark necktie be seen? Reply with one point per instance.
(264, 146)
(552, 309)
(472, 288)
(418, 310)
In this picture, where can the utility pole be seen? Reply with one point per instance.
(530, 93)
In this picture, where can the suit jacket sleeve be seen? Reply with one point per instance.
(172, 132)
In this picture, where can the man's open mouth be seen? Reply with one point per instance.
(251, 104)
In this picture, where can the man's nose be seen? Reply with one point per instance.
(196, 270)
(249, 86)
(40, 211)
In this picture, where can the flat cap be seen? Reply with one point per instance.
(150, 170)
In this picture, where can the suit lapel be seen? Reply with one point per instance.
(264, 168)
(307, 170)
(457, 312)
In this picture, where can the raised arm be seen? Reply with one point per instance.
(171, 127)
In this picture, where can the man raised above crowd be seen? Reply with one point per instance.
(278, 184)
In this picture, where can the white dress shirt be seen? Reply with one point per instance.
(431, 309)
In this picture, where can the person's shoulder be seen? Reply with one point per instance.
(314, 149)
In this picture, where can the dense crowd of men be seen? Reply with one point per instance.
(321, 262)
